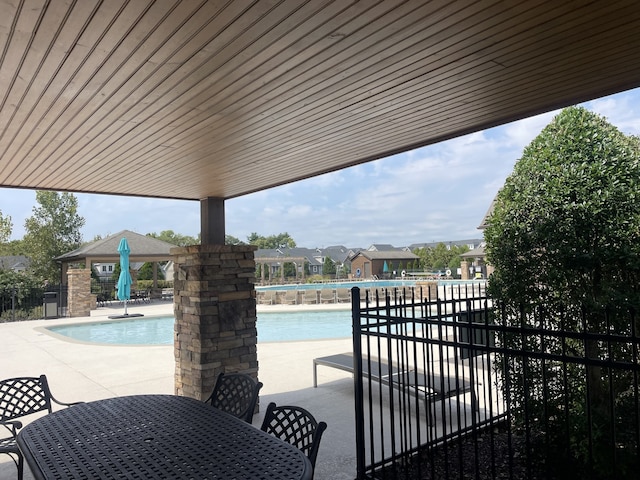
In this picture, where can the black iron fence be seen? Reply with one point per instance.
(26, 303)
(450, 386)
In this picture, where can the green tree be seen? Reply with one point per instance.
(289, 269)
(423, 254)
(564, 239)
(282, 240)
(328, 267)
(146, 272)
(231, 240)
(53, 229)
(173, 238)
(440, 257)
(6, 228)
(13, 247)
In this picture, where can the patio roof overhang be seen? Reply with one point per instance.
(196, 100)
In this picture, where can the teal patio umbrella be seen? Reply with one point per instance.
(385, 267)
(124, 280)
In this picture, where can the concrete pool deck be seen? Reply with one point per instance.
(85, 372)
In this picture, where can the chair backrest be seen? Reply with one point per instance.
(24, 396)
(236, 394)
(296, 426)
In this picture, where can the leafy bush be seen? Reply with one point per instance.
(563, 238)
(20, 296)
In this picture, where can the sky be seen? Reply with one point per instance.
(431, 194)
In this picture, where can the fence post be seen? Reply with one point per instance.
(13, 303)
(358, 385)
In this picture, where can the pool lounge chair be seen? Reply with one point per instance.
(268, 297)
(327, 295)
(290, 296)
(343, 295)
(310, 296)
(431, 385)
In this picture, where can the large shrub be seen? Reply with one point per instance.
(564, 238)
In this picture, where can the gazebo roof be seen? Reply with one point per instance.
(475, 253)
(143, 249)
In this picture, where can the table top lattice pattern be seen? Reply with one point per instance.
(159, 437)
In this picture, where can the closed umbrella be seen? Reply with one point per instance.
(124, 280)
(385, 267)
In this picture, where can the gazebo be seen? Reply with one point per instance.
(143, 249)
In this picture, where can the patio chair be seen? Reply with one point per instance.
(236, 394)
(296, 426)
(20, 397)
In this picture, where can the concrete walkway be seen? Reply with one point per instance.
(78, 371)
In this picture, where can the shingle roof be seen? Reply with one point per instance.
(476, 252)
(12, 262)
(388, 255)
(141, 247)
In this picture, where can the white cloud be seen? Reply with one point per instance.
(620, 110)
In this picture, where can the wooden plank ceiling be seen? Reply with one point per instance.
(193, 99)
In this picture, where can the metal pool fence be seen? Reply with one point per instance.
(22, 303)
(452, 385)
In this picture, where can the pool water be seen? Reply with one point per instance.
(272, 327)
(333, 285)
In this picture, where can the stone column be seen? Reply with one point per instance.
(428, 288)
(79, 294)
(464, 270)
(215, 311)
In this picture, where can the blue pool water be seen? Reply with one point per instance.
(272, 327)
(334, 285)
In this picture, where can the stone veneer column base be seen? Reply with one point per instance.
(215, 311)
(79, 297)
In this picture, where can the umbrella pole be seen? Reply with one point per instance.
(125, 306)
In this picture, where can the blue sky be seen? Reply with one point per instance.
(435, 193)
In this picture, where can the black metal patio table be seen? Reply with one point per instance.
(158, 437)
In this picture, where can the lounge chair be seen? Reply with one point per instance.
(310, 296)
(290, 296)
(327, 295)
(268, 297)
(343, 295)
(363, 294)
(431, 385)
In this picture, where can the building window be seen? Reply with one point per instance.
(104, 268)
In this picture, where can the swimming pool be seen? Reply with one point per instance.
(272, 327)
(334, 285)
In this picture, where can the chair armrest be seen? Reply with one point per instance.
(64, 404)
(12, 425)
